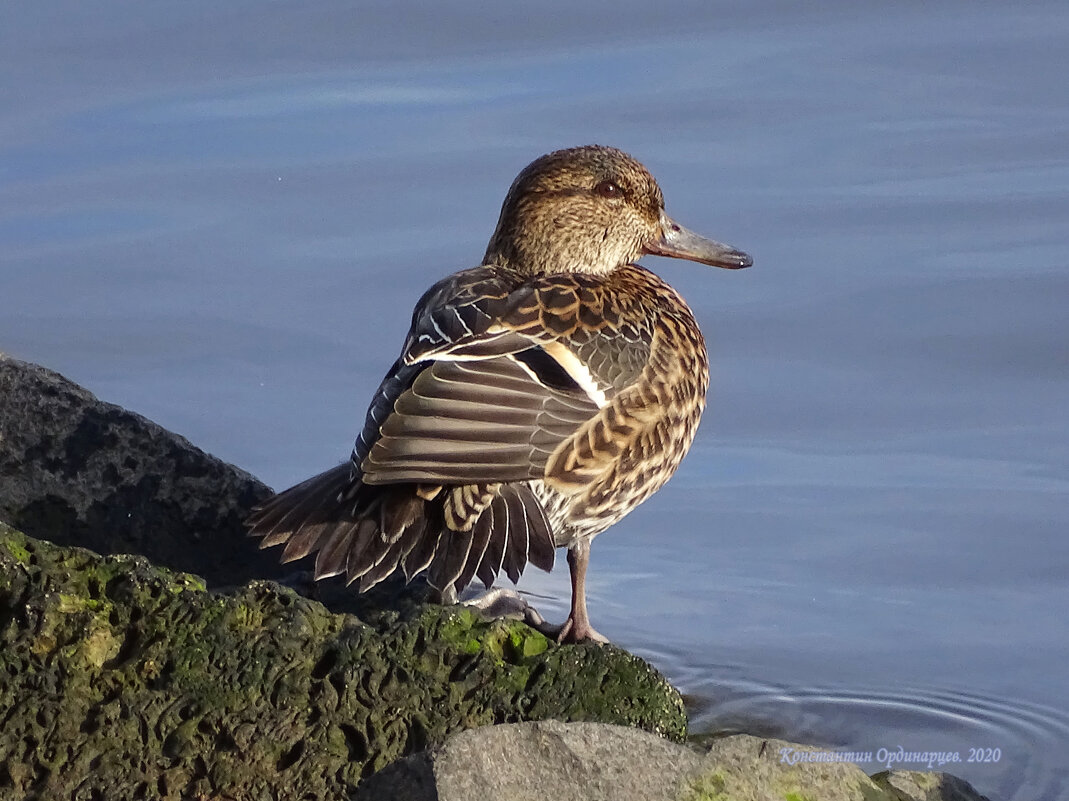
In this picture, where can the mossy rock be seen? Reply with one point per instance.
(122, 680)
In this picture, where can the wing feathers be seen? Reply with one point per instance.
(467, 422)
(502, 381)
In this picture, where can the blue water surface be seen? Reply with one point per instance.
(221, 215)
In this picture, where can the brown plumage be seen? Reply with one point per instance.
(538, 398)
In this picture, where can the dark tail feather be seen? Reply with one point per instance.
(313, 501)
(490, 565)
(315, 515)
(450, 560)
(486, 574)
(356, 563)
(367, 532)
(422, 553)
(541, 549)
(519, 533)
(401, 523)
(516, 553)
(385, 566)
(480, 538)
(408, 540)
(303, 541)
(383, 513)
(336, 541)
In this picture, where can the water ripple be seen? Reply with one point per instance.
(867, 719)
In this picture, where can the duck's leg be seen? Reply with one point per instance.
(577, 627)
(502, 602)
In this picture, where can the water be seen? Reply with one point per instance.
(221, 216)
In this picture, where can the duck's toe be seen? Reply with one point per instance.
(505, 603)
(574, 631)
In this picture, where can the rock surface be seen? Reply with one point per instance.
(595, 762)
(78, 471)
(121, 680)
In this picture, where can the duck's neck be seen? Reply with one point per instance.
(567, 254)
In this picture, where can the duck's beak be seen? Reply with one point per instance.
(679, 243)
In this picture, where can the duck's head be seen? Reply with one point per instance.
(593, 209)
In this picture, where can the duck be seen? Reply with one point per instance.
(538, 397)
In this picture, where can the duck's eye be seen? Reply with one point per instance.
(608, 189)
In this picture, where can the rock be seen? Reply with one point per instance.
(908, 785)
(597, 762)
(741, 766)
(547, 760)
(122, 680)
(78, 471)
(119, 679)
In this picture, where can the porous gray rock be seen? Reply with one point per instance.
(78, 471)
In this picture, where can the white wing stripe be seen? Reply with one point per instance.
(577, 371)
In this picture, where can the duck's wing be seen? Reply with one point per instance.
(498, 371)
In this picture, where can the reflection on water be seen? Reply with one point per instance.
(221, 219)
(999, 743)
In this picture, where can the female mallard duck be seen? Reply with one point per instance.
(537, 400)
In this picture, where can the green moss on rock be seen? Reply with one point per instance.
(124, 680)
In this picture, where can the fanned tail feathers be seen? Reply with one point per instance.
(368, 532)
